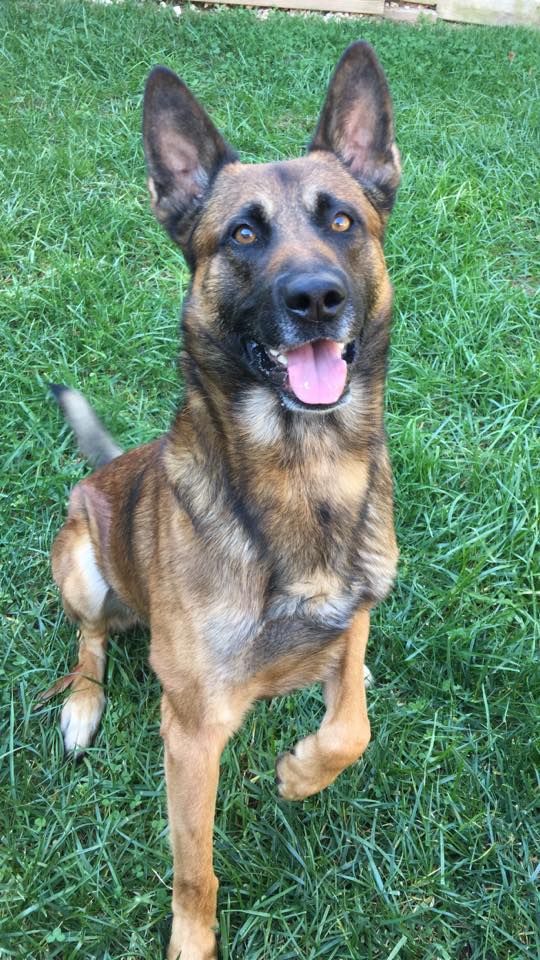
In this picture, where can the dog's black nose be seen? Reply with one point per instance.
(313, 297)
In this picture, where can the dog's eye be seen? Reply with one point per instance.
(244, 234)
(341, 223)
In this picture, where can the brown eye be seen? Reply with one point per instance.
(341, 222)
(244, 234)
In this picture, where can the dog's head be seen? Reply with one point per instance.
(286, 258)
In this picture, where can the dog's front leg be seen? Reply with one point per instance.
(193, 747)
(344, 733)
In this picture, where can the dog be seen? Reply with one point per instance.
(257, 534)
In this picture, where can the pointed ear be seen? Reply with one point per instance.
(183, 150)
(356, 124)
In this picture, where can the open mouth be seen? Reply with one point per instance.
(313, 375)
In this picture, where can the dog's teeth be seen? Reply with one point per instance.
(273, 353)
(282, 359)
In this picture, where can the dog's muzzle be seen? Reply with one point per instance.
(312, 297)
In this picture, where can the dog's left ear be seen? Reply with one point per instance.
(183, 151)
(356, 124)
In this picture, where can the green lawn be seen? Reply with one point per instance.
(428, 848)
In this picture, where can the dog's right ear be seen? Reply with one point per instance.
(183, 150)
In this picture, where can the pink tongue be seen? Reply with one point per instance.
(317, 374)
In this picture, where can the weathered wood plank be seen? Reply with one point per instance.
(408, 14)
(496, 12)
(327, 6)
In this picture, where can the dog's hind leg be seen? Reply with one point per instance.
(84, 594)
(82, 710)
(344, 733)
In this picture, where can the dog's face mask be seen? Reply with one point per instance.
(286, 257)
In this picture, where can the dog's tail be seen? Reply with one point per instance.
(95, 442)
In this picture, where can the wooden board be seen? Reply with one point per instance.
(375, 7)
(408, 14)
(497, 12)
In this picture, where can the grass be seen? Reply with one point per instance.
(428, 849)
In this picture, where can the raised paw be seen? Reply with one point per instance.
(80, 717)
(317, 760)
(302, 772)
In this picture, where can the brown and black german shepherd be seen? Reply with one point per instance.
(257, 534)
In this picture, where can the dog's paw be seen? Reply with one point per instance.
(299, 773)
(80, 718)
(192, 953)
(316, 761)
(205, 948)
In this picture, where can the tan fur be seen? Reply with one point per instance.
(253, 541)
(344, 733)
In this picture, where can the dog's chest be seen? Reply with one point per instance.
(286, 570)
(247, 630)
(281, 602)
